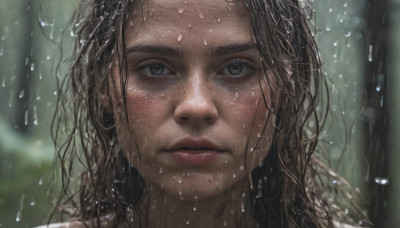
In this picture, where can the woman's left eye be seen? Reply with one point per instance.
(236, 69)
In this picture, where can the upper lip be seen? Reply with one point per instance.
(190, 143)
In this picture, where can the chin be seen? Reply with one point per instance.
(196, 186)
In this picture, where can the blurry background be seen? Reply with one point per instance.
(359, 42)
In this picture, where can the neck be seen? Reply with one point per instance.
(229, 209)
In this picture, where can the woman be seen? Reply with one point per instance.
(192, 114)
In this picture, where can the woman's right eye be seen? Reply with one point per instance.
(154, 70)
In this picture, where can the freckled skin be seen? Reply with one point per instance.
(194, 99)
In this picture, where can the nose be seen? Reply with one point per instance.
(196, 105)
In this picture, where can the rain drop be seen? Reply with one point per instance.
(32, 66)
(201, 15)
(180, 10)
(18, 217)
(40, 182)
(26, 118)
(347, 34)
(21, 94)
(205, 42)
(234, 175)
(378, 88)
(328, 29)
(381, 181)
(35, 116)
(371, 49)
(32, 203)
(188, 222)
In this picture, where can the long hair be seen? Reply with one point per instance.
(286, 192)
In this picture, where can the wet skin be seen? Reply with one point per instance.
(194, 98)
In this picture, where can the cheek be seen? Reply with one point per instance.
(253, 120)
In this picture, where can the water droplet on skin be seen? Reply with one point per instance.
(381, 181)
(241, 168)
(32, 66)
(194, 208)
(180, 181)
(219, 19)
(179, 38)
(205, 42)
(234, 175)
(201, 15)
(180, 10)
(188, 222)
(160, 171)
(259, 135)
(251, 149)
(328, 29)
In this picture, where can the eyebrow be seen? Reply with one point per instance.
(231, 48)
(154, 49)
(176, 52)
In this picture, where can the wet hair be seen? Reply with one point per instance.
(287, 189)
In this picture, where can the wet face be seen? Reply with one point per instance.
(194, 100)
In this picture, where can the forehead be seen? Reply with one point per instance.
(194, 19)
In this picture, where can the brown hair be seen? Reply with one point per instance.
(286, 188)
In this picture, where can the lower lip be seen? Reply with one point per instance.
(194, 157)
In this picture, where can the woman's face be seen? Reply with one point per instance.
(194, 100)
